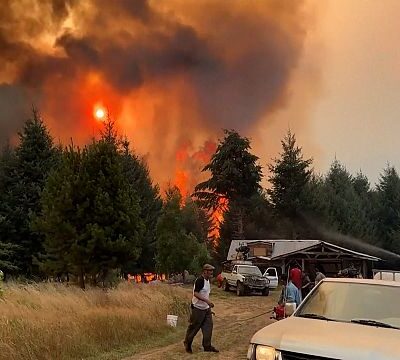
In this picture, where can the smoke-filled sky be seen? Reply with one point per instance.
(174, 73)
(358, 114)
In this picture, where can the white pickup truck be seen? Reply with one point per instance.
(342, 318)
(245, 278)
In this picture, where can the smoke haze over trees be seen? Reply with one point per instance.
(93, 210)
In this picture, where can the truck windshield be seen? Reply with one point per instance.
(251, 270)
(367, 304)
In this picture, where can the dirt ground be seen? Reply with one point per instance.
(235, 322)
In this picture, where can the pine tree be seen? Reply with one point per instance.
(137, 174)
(260, 220)
(22, 182)
(345, 209)
(7, 253)
(177, 250)
(388, 209)
(195, 220)
(289, 176)
(368, 205)
(91, 216)
(63, 202)
(235, 177)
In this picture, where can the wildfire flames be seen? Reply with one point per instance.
(189, 164)
(217, 218)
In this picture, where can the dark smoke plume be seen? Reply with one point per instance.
(228, 63)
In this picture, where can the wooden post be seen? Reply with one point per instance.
(365, 271)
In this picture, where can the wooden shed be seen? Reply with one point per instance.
(308, 254)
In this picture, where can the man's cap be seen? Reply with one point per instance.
(208, 267)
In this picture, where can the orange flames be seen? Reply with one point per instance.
(181, 182)
(216, 220)
(189, 164)
(188, 173)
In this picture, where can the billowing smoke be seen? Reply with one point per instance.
(172, 73)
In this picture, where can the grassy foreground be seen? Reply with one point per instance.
(48, 321)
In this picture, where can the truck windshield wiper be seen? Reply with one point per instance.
(374, 323)
(315, 316)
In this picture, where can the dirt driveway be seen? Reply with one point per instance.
(233, 328)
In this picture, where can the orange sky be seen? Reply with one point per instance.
(174, 75)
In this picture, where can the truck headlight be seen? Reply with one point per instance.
(267, 353)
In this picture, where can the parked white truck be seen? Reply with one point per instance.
(244, 279)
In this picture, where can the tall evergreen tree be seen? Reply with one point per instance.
(388, 210)
(260, 220)
(195, 220)
(7, 250)
(289, 175)
(368, 204)
(340, 202)
(137, 174)
(235, 176)
(177, 249)
(23, 182)
(91, 216)
(314, 197)
(345, 210)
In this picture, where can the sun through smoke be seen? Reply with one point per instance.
(99, 113)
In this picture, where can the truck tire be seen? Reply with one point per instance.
(225, 285)
(239, 289)
(265, 291)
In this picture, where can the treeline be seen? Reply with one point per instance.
(90, 212)
(301, 204)
(94, 212)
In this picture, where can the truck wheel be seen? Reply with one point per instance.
(239, 289)
(265, 291)
(225, 285)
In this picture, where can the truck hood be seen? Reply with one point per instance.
(330, 339)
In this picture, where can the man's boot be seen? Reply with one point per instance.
(188, 347)
(211, 349)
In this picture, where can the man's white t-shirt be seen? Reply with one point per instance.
(201, 286)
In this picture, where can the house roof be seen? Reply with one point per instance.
(282, 248)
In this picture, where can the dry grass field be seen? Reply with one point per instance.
(52, 321)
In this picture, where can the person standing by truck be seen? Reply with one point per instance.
(319, 275)
(295, 275)
(290, 297)
(307, 285)
(201, 315)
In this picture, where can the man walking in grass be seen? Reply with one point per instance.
(201, 315)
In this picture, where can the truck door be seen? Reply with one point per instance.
(272, 275)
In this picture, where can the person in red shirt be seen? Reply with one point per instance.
(296, 276)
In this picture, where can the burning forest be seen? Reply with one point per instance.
(172, 74)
